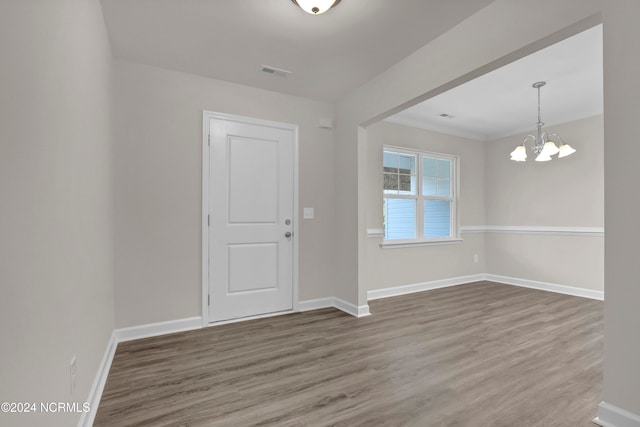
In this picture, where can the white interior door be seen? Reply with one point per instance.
(251, 173)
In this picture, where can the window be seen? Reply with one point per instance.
(419, 196)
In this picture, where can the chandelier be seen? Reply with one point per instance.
(542, 145)
(316, 7)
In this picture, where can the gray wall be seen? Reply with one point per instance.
(566, 192)
(56, 227)
(470, 49)
(55, 179)
(622, 201)
(404, 266)
(478, 45)
(561, 192)
(495, 191)
(158, 160)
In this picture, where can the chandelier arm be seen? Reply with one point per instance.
(559, 137)
(527, 138)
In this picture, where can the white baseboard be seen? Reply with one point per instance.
(543, 286)
(612, 416)
(128, 334)
(354, 310)
(607, 412)
(340, 304)
(180, 325)
(95, 393)
(315, 304)
(247, 318)
(155, 329)
(424, 286)
(455, 281)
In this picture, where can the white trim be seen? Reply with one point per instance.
(95, 393)
(420, 197)
(315, 304)
(155, 329)
(188, 324)
(514, 229)
(206, 179)
(337, 303)
(528, 229)
(461, 280)
(606, 413)
(296, 217)
(206, 117)
(612, 416)
(468, 229)
(244, 319)
(544, 286)
(128, 334)
(375, 232)
(387, 244)
(347, 307)
(424, 286)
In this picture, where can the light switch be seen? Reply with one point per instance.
(308, 213)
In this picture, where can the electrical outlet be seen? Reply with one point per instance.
(72, 374)
(475, 258)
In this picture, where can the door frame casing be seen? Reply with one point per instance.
(206, 119)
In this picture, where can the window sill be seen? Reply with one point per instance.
(392, 245)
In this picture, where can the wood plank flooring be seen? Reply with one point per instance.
(482, 354)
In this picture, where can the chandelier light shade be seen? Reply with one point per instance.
(566, 150)
(316, 7)
(542, 145)
(519, 154)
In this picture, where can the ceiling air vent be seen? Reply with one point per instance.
(276, 71)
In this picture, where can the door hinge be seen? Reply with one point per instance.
(208, 220)
(209, 140)
(209, 300)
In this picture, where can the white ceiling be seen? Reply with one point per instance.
(503, 103)
(329, 54)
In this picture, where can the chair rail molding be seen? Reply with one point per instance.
(534, 229)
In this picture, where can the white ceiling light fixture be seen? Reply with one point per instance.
(542, 145)
(316, 7)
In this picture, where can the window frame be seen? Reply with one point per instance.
(420, 240)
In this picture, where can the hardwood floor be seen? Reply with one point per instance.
(482, 354)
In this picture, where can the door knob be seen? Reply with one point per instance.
(288, 234)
